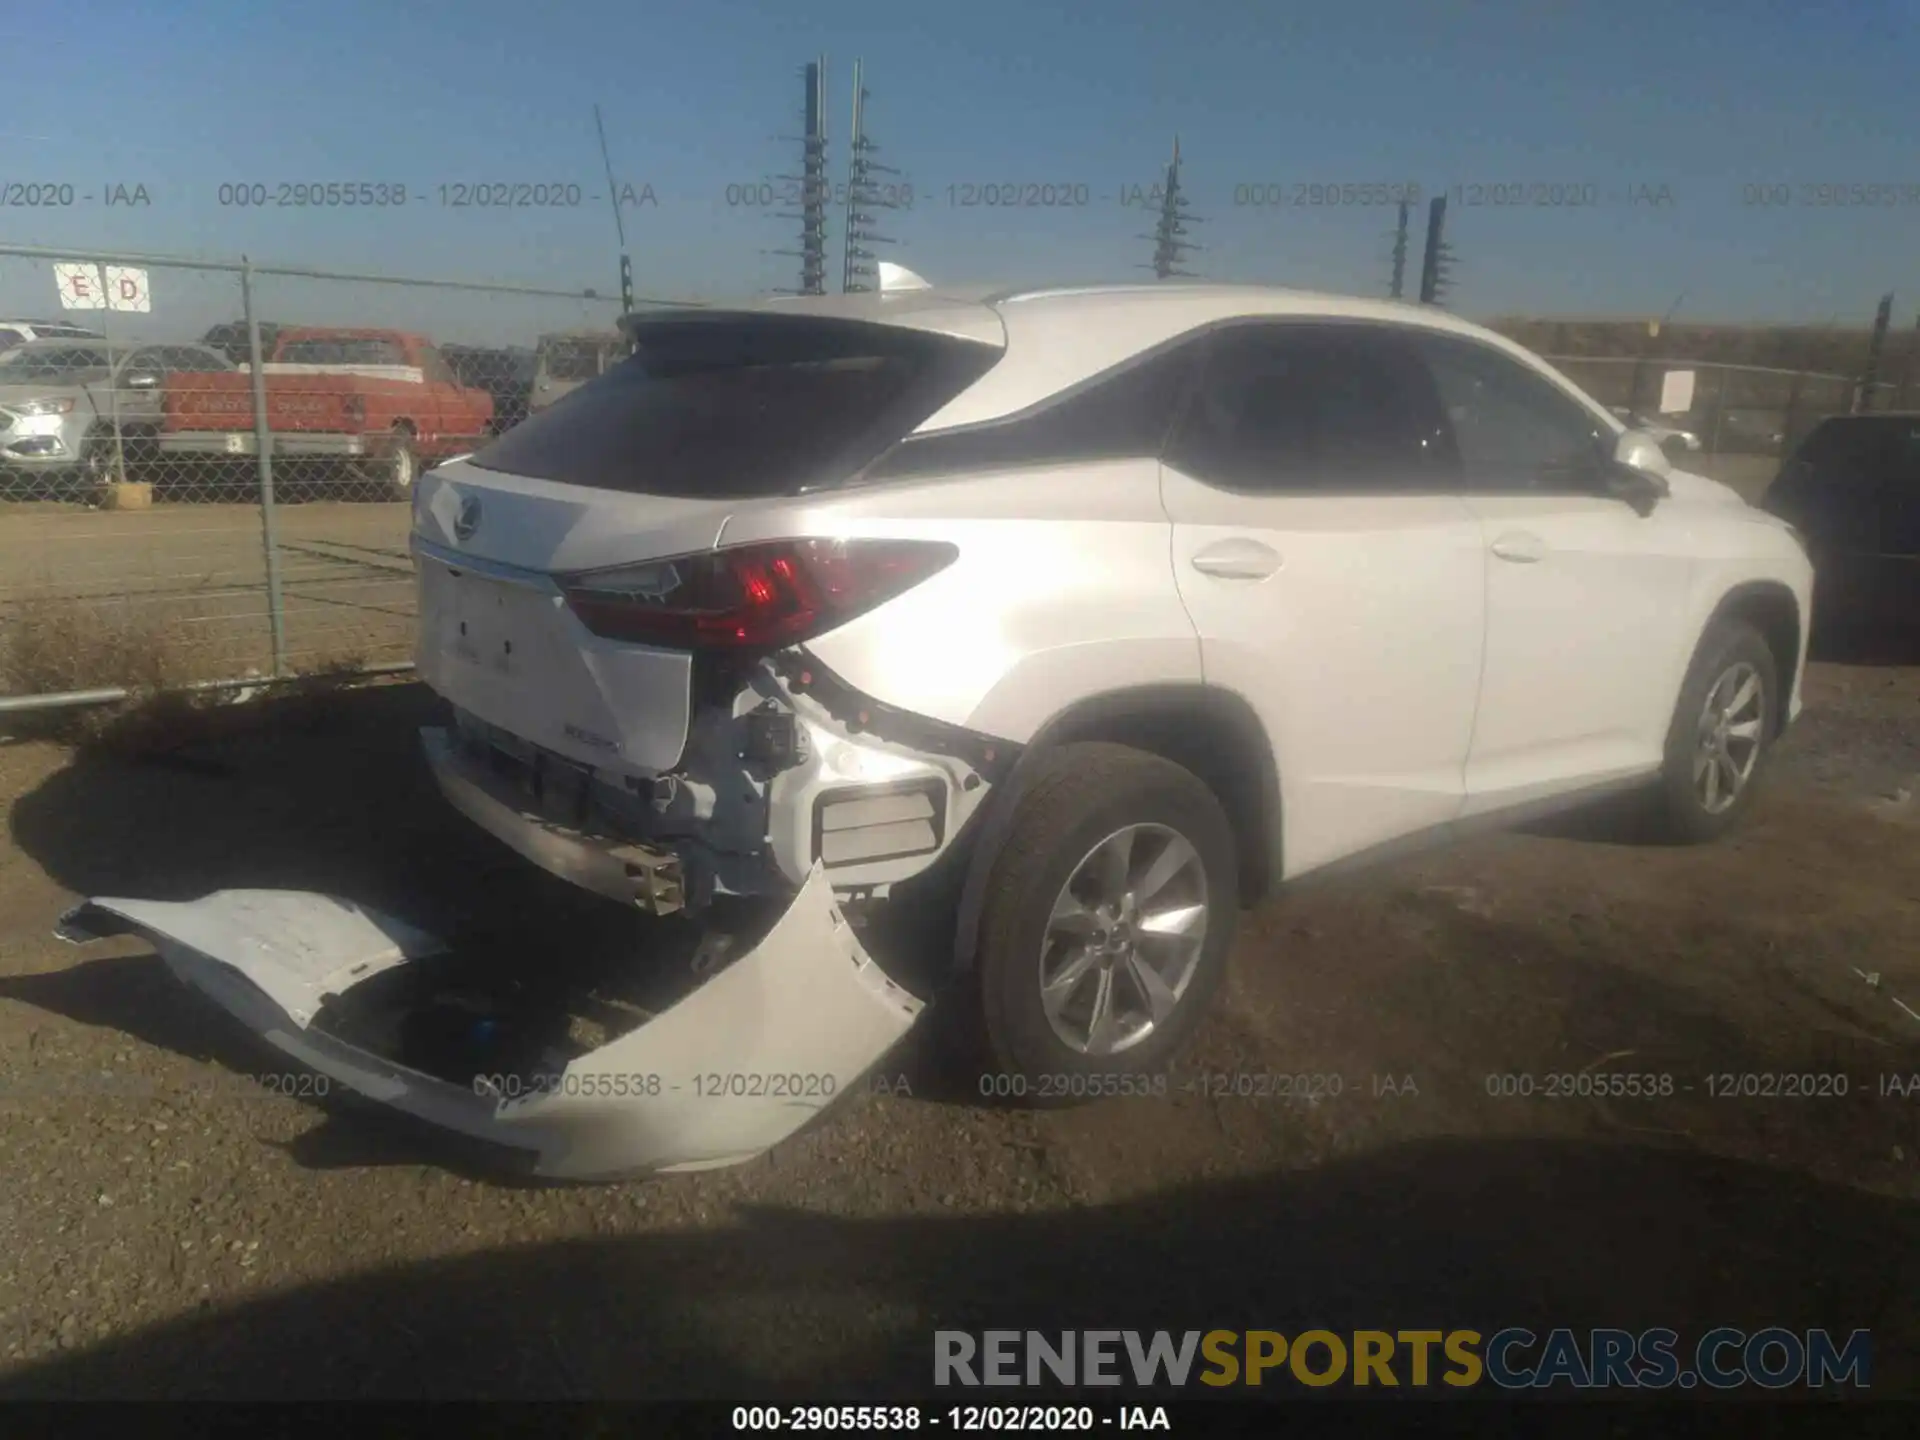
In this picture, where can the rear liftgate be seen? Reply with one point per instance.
(740, 1064)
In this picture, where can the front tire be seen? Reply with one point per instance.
(1107, 919)
(1722, 732)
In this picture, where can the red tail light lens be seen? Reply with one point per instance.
(751, 597)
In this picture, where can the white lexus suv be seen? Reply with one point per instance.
(1096, 613)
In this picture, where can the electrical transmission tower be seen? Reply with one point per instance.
(1397, 287)
(1436, 266)
(814, 188)
(864, 198)
(1170, 245)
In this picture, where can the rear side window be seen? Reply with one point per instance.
(1123, 414)
(1291, 408)
(731, 406)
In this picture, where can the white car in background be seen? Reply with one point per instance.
(1669, 437)
(25, 332)
(1101, 613)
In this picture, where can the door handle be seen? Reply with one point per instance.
(1237, 559)
(1520, 547)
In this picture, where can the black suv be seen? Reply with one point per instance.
(1852, 490)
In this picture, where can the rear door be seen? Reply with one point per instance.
(715, 416)
(1335, 578)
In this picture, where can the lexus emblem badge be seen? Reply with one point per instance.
(466, 519)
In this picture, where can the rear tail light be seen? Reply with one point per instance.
(751, 597)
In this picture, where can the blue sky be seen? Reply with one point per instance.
(1701, 98)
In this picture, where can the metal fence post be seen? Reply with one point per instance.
(263, 446)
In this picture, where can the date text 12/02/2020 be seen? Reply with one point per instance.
(65, 195)
(1296, 1087)
(457, 195)
(960, 1418)
(709, 1085)
(1719, 1085)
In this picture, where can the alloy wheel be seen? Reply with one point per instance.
(1124, 939)
(1732, 727)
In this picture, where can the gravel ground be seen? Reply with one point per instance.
(171, 1227)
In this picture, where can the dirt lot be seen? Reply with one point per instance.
(345, 576)
(169, 1228)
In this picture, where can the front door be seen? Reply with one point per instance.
(1586, 599)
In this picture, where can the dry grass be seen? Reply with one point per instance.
(49, 646)
(1828, 349)
(52, 646)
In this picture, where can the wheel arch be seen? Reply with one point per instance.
(1212, 732)
(1771, 607)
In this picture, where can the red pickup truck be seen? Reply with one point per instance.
(381, 400)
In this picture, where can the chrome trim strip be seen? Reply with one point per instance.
(487, 569)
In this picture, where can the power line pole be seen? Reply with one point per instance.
(859, 270)
(1396, 288)
(1170, 245)
(1436, 265)
(814, 188)
(1870, 381)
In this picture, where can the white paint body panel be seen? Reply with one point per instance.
(407, 374)
(806, 1001)
(1040, 608)
(1585, 602)
(1360, 652)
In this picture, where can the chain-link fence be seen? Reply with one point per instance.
(213, 489)
(1730, 409)
(207, 483)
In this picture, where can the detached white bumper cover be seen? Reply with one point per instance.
(805, 1004)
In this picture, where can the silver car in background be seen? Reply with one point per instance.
(60, 400)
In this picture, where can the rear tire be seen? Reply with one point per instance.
(1115, 893)
(1722, 733)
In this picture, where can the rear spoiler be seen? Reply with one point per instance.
(894, 279)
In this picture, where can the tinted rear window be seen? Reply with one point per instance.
(742, 405)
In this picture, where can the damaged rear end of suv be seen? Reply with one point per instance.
(615, 601)
(854, 610)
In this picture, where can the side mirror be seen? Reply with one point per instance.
(1638, 472)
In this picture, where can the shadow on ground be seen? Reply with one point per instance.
(1443, 1235)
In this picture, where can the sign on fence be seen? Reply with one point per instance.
(1676, 392)
(83, 287)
